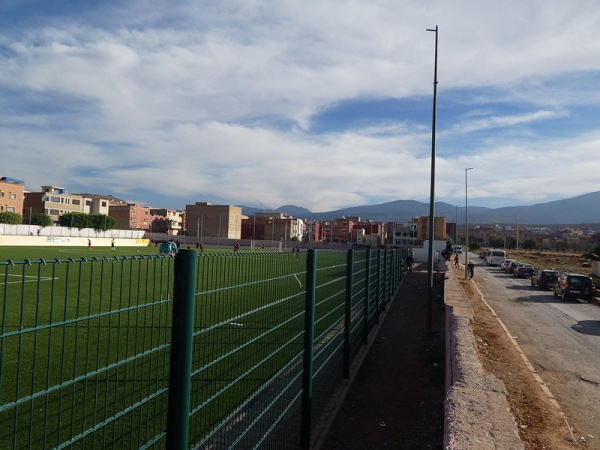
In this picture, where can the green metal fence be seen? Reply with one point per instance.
(212, 351)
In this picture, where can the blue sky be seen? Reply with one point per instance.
(320, 104)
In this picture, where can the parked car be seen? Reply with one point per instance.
(544, 278)
(574, 285)
(458, 249)
(511, 267)
(495, 257)
(523, 270)
(505, 264)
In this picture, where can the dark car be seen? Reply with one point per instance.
(523, 270)
(574, 285)
(544, 278)
(511, 267)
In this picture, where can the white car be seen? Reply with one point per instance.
(506, 263)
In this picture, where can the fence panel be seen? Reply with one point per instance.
(85, 346)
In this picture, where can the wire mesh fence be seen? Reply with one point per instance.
(92, 356)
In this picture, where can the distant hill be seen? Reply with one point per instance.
(583, 209)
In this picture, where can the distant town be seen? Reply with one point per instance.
(203, 220)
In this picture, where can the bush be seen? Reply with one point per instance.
(11, 218)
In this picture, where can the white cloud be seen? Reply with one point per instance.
(217, 99)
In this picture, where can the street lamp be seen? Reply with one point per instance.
(432, 190)
(466, 223)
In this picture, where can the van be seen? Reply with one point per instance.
(495, 257)
(458, 249)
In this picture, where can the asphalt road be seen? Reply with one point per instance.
(560, 339)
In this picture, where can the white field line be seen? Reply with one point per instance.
(23, 279)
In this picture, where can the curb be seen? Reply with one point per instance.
(476, 409)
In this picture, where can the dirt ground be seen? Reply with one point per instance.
(396, 401)
(540, 424)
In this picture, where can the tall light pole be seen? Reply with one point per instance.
(455, 225)
(432, 190)
(466, 223)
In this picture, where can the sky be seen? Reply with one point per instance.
(315, 103)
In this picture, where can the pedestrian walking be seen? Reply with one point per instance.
(471, 268)
(456, 260)
(112, 244)
(89, 244)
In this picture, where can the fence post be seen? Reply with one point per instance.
(180, 369)
(386, 283)
(309, 337)
(348, 312)
(378, 308)
(367, 296)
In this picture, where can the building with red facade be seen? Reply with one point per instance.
(131, 216)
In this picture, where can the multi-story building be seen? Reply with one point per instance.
(374, 232)
(272, 227)
(338, 230)
(169, 221)
(312, 231)
(131, 216)
(204, 219)
(53, 201)
(96, 204)
(439, 228)
(12, 195)
(403, 234)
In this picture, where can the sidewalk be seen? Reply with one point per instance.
(397, 397)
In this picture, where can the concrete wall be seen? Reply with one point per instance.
(67, 241)
(421, 253)
(477, 413)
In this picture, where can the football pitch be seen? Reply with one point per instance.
(85, 339)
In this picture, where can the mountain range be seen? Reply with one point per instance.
(583, 209)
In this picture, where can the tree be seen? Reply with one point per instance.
(530, 244)
(511, 242)
(496, 242)
(101, 222)
(41, 219)
(596, 252)
(11, 218)
(74, 220)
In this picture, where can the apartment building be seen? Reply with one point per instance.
(169, 221)
(131, 216)
(403, 234)
(12, 195)
(373, 232)
(53, 201)
(439, 228)
(204, 219)
(272, 227)
(338, 230)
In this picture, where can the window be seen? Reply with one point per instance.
(13, 196)
(10, 209)
(76, 201)
(2, 194)
(54, 199)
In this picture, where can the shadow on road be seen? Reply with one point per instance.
(589, 327)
